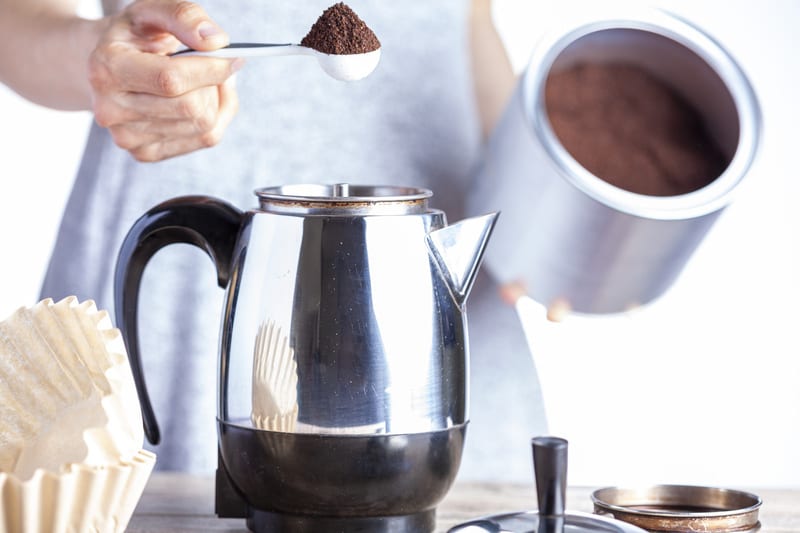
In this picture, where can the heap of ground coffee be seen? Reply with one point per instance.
(630, 129)
(340, 31)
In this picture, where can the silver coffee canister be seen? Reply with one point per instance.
(570, 236)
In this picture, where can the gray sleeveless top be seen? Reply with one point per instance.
(412, 122)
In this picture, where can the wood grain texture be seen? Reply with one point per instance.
(177, 503)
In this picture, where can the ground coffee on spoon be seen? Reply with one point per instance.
(632, 130)
(340, 31)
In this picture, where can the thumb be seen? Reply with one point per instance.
(187, 21)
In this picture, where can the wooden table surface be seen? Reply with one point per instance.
(183, 503)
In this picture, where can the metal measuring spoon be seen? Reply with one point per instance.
(345, 67)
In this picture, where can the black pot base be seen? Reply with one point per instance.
(267, 522)
(300, 482)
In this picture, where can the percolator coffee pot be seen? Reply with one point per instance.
(343, 351)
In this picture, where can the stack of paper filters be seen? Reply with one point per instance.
(71, 435)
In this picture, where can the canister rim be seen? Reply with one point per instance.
(708, 199)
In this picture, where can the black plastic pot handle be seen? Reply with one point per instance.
(208, 223)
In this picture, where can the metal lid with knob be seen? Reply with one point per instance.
(550, 471)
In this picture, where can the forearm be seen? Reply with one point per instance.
(46, 49)
(493, 74)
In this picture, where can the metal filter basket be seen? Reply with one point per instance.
(680, 508)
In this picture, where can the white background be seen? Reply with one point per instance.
(701, 387)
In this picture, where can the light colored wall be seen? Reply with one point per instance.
(702, 387)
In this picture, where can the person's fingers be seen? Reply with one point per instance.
(170, 94)
(139, 107)
(133, 135)
(228, 104)
(164, 147)
(513, 291)
(154, 105)
(186, 116)
(558, 310)
(111, 109)
(187, 21)
(165, 76)
(158, 151)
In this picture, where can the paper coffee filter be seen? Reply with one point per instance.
(15, 431)
(125, 427)
(78, 348)
(35, 363)
(37, 395)
(61, 440)
(79, 498)
(70, 426)
(285, 422)
(70, 396)
(23, 383)
(274, 380)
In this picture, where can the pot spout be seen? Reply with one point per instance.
(458, 250)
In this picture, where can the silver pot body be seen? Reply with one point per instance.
(349, 288)
(343, 364)
(344, 309)
(570, 236)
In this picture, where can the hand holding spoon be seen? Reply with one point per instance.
(345, 67)
(345, 47)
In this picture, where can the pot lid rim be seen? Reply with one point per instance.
(341, 193)
(581, 520)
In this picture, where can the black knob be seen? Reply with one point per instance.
(550, 470)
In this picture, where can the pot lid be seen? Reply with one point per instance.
(529, 522)
(550, 469)
(343, 199)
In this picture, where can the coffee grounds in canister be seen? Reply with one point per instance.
(340, 31)
(632, 130)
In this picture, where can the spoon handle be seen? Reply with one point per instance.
(248, 50)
